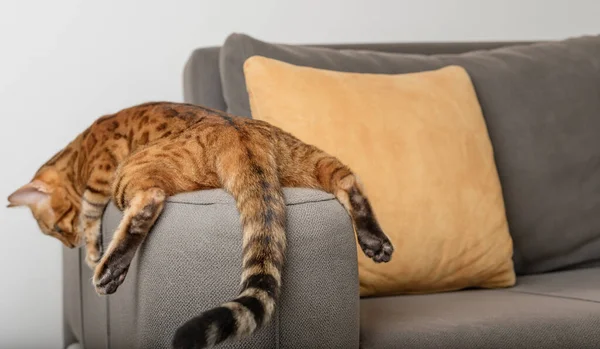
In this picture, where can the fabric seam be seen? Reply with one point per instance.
(277, 329)
(555, 296)
(82, 327)
(107, 300)
(233, 204)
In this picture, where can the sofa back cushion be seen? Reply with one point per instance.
(541, 103)
(355, 58)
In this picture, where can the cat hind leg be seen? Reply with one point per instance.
(339, 180)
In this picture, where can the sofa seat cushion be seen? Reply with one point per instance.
(583, 284)
(557, 310)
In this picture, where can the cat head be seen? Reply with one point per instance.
(51, 199)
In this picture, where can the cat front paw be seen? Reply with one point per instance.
(108, 278)
(92, 258)
(93, 251)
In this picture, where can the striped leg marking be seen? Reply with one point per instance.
(138, 219)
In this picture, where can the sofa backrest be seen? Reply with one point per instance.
(202, 78)
(540, 103)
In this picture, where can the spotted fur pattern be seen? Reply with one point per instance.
(141, 155)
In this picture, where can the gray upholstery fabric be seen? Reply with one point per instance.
(429, 48)
(94, 312)
(491, 319)
(583, 284)
(541, 106)
(192, 262)
(360, 58)
(122, 305)
(73, 327)
(201, 79)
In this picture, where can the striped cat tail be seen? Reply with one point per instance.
(260, 201)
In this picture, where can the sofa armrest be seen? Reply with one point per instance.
(191, 262)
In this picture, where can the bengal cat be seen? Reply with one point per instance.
(140, 155)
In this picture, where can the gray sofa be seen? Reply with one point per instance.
(191, 260)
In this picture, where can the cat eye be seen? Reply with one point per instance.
(57, 229)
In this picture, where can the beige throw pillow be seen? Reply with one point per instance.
(420, 145)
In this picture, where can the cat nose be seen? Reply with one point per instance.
(67, 243)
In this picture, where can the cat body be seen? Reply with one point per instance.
(140, 155)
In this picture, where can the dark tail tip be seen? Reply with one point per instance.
(208, 329)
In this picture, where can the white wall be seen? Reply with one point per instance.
(65, 62)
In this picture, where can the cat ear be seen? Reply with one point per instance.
(30, 194)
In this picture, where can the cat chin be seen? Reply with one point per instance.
(69, 245)
(73, 245)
